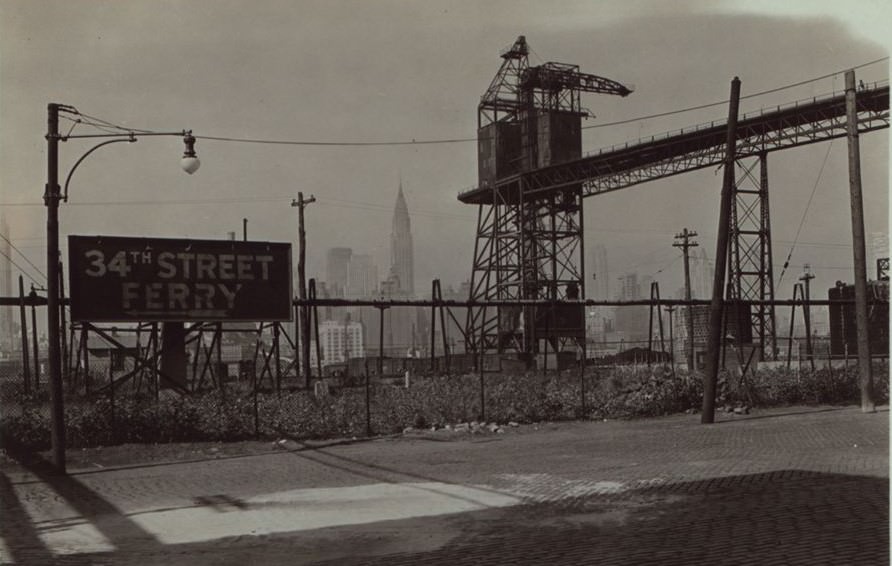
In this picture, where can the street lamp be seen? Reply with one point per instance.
(51, 198)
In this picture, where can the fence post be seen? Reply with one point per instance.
(63, 323)
(256, 410)
(278, 358)
(381, 341)
(85, 344)
(482, 391)
(434, 284)
(111, 398)
(26, 364)
(34, 342)
(368, 402)
(582, 373)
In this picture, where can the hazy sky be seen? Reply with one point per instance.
(337, 71)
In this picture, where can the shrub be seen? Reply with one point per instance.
(619, 392)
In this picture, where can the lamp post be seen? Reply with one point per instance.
(51, 198)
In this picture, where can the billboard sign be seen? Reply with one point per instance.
(121, 279)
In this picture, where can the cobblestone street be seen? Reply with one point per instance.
(782, 486)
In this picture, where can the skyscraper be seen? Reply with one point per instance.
(600, 275)
(401, 253)
(702, 270)
(630, 288)
(337, 268)
(362, 280)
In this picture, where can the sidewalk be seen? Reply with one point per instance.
(782, 486)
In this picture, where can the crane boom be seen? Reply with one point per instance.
(554, 77)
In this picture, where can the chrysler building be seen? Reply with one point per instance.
(401, 254)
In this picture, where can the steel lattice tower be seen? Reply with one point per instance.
(529, 230)
(750, 273)
(529, 244)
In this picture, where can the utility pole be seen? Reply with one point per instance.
(717, 304)
(868, 402)
(36, 346)
(670, 309)
(51, 197)
(303, 311)
(806, 313)
(23, 327)
(685, 244)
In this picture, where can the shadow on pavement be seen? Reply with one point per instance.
(739, 418)
(18, 534)
(115, 526)
(386, 474)
(304, 446)
(783, 517)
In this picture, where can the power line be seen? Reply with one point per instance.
(242, 200)
(805, 213)
(723, 102)
(23, 270)
(101, 123)
(337, 143)
(37, 269)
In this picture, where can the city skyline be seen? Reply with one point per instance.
(399, 96)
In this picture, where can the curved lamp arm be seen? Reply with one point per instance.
(130, 139)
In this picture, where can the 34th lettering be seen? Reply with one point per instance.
(182, 265)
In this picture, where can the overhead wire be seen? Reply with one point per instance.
(336, 143)
(20, 268)
(805, 213)
(11, 245)
(76, 122)
(723, 102)
(112, 124)
(99, 122)
(666, 265)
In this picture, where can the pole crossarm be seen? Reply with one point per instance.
(619, 167)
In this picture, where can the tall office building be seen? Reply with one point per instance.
(362, 277)
(401, 251)
(7, 314)
(631, 322)
(629, 287)
(600, 275)
(337, 268)
(702, 270)
(340, 341)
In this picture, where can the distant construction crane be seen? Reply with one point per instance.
(528, 245)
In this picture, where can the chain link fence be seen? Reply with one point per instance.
(244, 383)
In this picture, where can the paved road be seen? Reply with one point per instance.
(785, 486)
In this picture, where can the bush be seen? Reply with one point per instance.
(620, 392)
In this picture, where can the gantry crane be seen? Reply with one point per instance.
(529, 244)
(532, 179)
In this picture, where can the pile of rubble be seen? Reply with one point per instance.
(472, 427)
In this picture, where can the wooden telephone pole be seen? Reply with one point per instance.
(868, 400)
(303, 318)
(685, 244)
